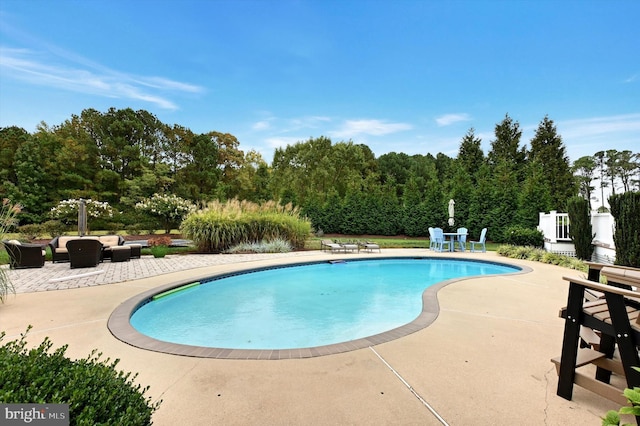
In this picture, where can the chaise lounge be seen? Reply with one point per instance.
(370, 246)
(327, 245)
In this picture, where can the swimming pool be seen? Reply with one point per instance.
(303, 307)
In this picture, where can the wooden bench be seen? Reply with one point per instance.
(613, 311)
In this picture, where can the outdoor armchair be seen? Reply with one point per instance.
(84, 252)
(24, 255)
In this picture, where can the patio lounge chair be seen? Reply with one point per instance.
(370, 246)
(616, 317)
(24, 255)
(481, 241)
(84, 253)
(330, 245)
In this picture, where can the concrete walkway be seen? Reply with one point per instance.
(484, 361)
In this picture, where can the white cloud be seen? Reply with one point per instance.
(69, 72)
(589, 135)
(449, 119)
(281, 142)
(309, 122)
(352, 128)
(589, 127)
(261, 125)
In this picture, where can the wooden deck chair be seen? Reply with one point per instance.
(617, 317)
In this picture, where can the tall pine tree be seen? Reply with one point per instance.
(547, 149)
(506, 146)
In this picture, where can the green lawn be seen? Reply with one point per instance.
(311, 244)
(383, 242)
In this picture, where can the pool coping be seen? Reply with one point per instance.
(121, 328)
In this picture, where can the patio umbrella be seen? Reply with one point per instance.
(451, 212)
(82, 218)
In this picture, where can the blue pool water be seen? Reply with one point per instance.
(301, 306)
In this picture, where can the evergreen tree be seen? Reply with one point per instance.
(413, 218)
(583, 169)
(580, 229)
(11, 138)
(504, 199)
(625, 209)
(434, 206)
(628, 166)
(470, 155)
(534, 197)
(548, 150)
(481, 202)
(612, 162)
(506, 146)
(601, 167)
(461, 192)
(30, 190)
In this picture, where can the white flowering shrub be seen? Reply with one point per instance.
(169, 209)
(67, 210)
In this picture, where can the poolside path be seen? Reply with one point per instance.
(484, 361)
(59, 276)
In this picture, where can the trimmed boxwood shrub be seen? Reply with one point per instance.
(521, 236)
(97, 394)
(54, 228)
(31, 231)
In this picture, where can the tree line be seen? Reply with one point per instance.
(123, 156)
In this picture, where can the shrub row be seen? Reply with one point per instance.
(540, 255)
(521, 236)
(96, 392)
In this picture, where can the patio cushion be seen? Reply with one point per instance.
(109, 240)
(63, 240)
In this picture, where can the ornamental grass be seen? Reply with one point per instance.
(219, 226)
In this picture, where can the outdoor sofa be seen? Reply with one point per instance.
(60, 253)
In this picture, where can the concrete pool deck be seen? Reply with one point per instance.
(485, 360)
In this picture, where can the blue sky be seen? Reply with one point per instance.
(404, 76)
